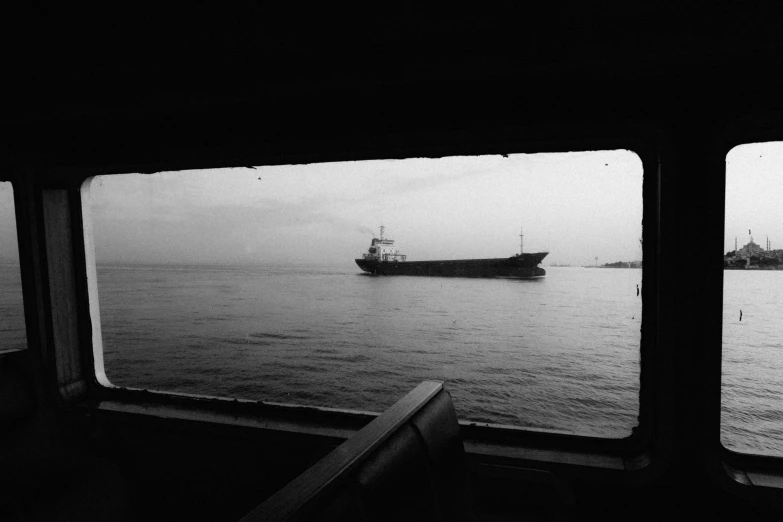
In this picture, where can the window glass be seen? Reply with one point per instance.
(260, 284)
(12, 326)
(752, 301)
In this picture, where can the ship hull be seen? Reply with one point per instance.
(522, 266)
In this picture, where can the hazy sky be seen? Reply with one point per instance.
(754, 194)
(574, 205)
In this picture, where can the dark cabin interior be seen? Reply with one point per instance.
(123, 87)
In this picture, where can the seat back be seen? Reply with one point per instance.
(407, 464)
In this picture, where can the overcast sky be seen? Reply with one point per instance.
(754, 194)
(575, 205)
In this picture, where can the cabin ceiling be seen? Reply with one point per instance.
(82, 58)
(113, 83)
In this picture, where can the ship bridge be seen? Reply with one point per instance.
(382, 249)
(376, 241)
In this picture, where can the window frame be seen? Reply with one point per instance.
(642, 455)
(759, 477)
(5, 351)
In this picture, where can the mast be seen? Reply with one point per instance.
(521, 239)
(382, 229)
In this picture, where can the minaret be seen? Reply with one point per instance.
(735, 245)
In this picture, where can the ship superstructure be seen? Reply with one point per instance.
(382, 249)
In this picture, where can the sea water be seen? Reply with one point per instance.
(752, 373)
(559, 352)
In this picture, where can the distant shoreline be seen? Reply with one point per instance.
(753, 267)
(620, 267)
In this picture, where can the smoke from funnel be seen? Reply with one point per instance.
(365, 230)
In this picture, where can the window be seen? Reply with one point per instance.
(752, 297)
(12, 324)
(243, 283)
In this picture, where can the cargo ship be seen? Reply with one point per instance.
(382, 258)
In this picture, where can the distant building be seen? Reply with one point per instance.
(753, 255)
(749, 250)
